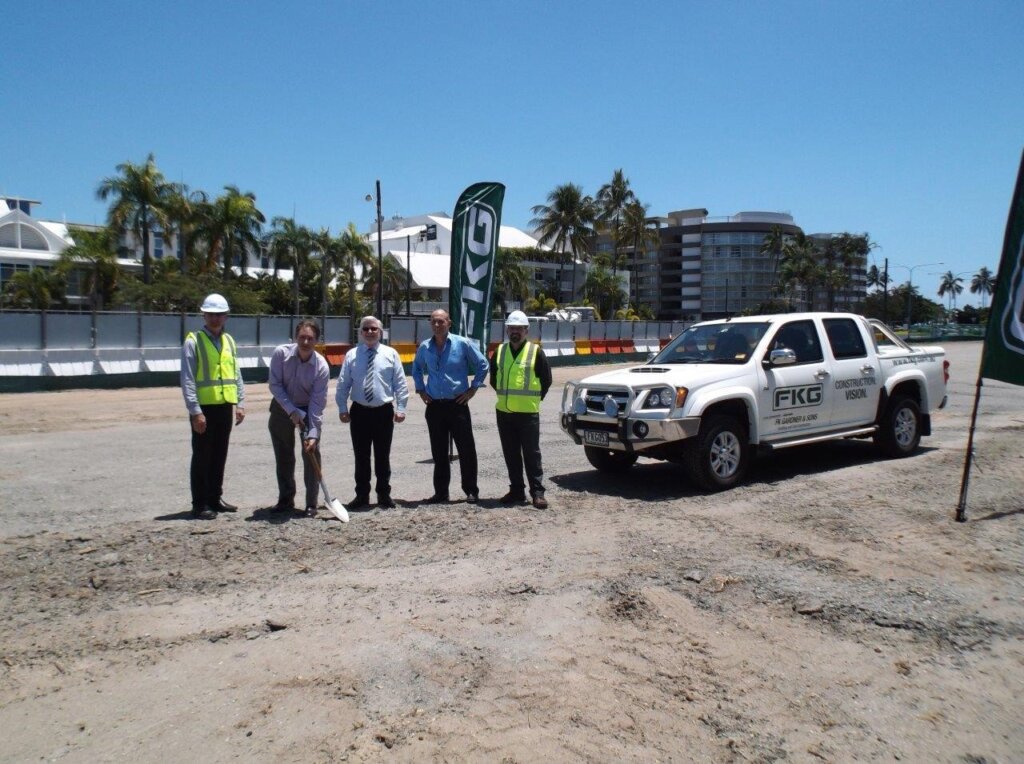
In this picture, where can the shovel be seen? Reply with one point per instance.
(334, 505)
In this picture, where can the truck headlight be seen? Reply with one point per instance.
(664, 398)
(659, 398)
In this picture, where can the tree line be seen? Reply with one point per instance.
(337, 273)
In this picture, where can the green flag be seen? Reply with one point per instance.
(1004, 338)
(475, 227)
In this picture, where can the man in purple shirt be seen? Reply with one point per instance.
(298, 381)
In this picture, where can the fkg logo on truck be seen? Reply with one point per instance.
(797, 397)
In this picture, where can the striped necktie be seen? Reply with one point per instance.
(368, 381)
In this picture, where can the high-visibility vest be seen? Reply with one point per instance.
(518, 386)
(215, 370)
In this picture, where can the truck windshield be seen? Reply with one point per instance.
(714, 343)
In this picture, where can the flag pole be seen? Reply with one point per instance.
(1003, 348)
(961, 507)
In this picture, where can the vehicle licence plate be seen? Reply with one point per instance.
(595, 437)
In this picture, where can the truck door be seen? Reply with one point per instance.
(796, 398)
(855, 373)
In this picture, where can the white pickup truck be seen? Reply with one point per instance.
(723, 389)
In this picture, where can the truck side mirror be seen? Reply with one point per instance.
(780, 357)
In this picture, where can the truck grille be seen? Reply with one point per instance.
(595, 400)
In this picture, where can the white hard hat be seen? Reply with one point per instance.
(215, 303)
(517, 318)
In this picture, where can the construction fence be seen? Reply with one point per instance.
(47, 350)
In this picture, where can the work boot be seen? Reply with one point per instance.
(513, 497)
(203, 512)
(539, 501)
(359, 502)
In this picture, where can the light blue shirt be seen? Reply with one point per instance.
(447, 369)
(389, 385)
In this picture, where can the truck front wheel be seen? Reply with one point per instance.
(899, 431)
(717, 458)
(609, 461)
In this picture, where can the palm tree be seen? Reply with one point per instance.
(290, 245)
(952, 285)
(636, 231)
(37, 288)
(799, 267)
(612, 199)
(393, 279)
(602, 289)
(878, 279)
(140, 195)
(984, 283)
(355, 251)
(332, 257)
(510, 278)
(773, 244)
(565, 221)
(233, 229)
(97, 252)
(187, 213)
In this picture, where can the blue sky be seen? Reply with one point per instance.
(904, 120)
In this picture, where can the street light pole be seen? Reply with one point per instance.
(910, 287)
(380, 257)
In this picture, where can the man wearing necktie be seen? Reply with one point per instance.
(373, 378)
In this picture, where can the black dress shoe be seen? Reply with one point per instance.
(386, 502)
(437, 499)
(222, 506)
(280, 508)
(203, 512)
(358, 503)
(472, 498)
(512, 497)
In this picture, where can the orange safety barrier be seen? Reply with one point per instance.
(583, 347)
(664, 342)
(599, 346)
(334, 352)
(614, 346)
(627, 346)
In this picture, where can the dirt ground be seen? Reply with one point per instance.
(828, 609)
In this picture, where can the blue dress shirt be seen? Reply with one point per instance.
(447, 369)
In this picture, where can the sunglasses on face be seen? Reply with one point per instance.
(370, 328)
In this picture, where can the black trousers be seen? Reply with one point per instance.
(520, 444)
(449, 419)
(282, 438)
(372, 427)
(210, 454)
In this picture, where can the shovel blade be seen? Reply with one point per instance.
(338, 510)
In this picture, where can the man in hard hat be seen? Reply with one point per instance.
(298, 383)
(211, 383)
(373, 378)
(441, 373)
(521, 376)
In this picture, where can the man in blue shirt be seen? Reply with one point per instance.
(373, 377)
(447, 360)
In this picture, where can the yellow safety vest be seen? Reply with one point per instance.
(518, 385)
(215, 370)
